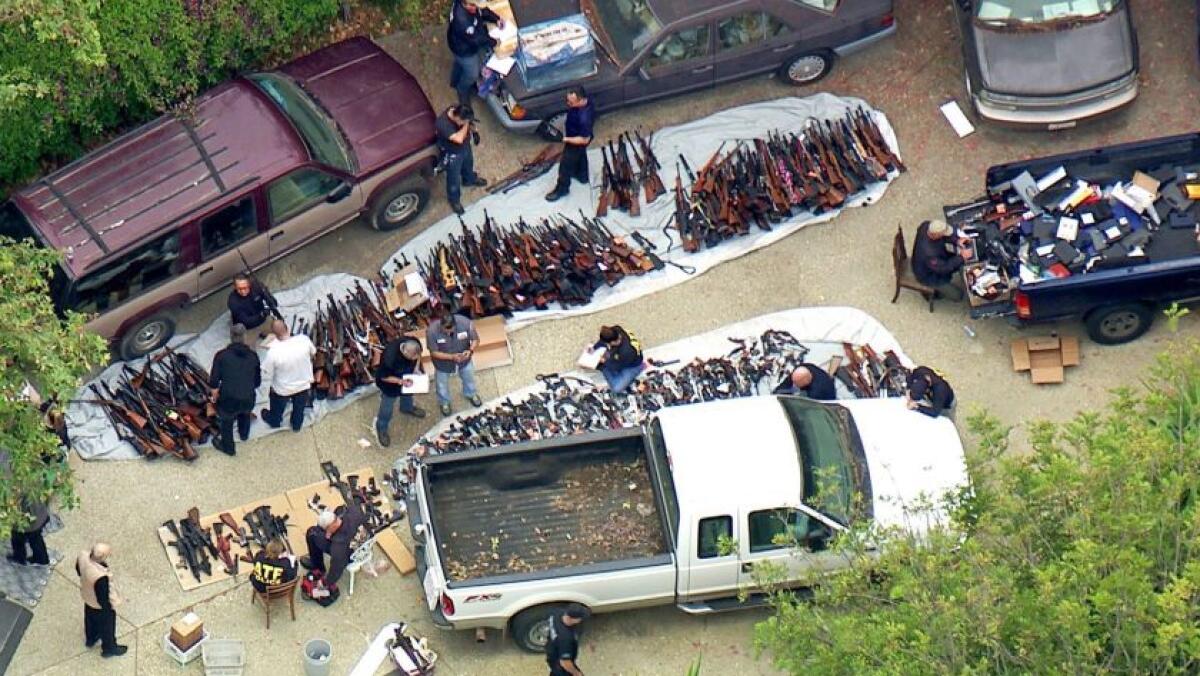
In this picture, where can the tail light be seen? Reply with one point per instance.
(1021, 301)
(447, 605)
(887, 21)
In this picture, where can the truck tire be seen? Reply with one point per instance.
(146, 336)
(1116, 324)
(399, 205)
(531, 627)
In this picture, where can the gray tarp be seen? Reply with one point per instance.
(696, 141)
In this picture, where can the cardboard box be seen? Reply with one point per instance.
(493, 349)
(506, 38)
(1045, 357)
(397, 296)
(187, 632)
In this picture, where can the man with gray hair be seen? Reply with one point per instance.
(99, 600)
(937, 254)
(401, 359)
(234, 379)
(333, 535)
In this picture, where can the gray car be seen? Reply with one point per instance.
(649, 49)
(1048, 63)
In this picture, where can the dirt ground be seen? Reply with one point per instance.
(844, 262)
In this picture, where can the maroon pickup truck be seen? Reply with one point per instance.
(261, 166)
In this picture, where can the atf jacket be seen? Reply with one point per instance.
(467, 33)
(235, 372)
(627, 353)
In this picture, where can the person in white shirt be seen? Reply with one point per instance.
(288, 370)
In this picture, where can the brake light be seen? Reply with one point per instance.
(887, 20)
(1021, 301)
(516, 111)
(447, 605)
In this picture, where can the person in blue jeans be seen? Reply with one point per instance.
(455, 137)
(452, 341)
(622, 361)
(401, 358)
(467, 37)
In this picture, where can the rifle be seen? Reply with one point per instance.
(605, 185)
(272, 303)
(536, 166)
(865, 123)
(647, 174)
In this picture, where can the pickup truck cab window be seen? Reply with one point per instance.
(685, 45)
(630, 25)
(146, 266)
(784, 528)
(227, 228)
(298, 191)
(325, 143)
(710, 533)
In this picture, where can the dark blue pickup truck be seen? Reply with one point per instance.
(1115, 279)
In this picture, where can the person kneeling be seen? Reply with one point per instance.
(333, 535)
(622, 361)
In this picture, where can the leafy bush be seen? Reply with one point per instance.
(73, 70)
(1081, 556)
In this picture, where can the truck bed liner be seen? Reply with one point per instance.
(557, 508)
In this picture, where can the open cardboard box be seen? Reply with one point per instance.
(397, 296)
(1045, 357)
(493, 350)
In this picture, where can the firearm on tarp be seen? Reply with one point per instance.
(536, 166)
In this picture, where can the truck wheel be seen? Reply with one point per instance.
(1118, 324)
(145, 337)
(399, 205)
(531, 627)
(806, 68)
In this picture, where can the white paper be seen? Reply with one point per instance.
(1088, 218)
(415, 285)
(416, 383)
(956, 118)
(501, 64)
(507, 32)
(1068, 229)
(1113, 233)
(1044, 183)
(590, 359)
(1044, 250)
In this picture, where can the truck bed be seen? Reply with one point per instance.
(568, 505)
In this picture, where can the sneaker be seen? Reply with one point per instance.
(457, 208)
(475, 401)
(445, 409)
(115, 651)
(553, 196)
(415, 411)
(479, 182)
(381, 436)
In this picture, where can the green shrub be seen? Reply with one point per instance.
(72, 71)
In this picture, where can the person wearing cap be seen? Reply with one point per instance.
(333, 535)
(937, 255)
(234, 379)
(467, 36)
(562, 648)
(809, 380)
(401, 359)
(452, 341)
(929, 393)
(99, 600)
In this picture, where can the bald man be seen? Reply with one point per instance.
(289, 371)
(809, 380)
(99, 600)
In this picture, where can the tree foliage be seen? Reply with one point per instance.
(71, 71)
(36, 348)
(1080, 556)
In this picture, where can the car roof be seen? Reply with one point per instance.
(124, 192)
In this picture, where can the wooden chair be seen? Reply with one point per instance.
(274, 593)
(904, 273)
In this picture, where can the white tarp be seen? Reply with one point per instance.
(822, 330)
(93, 436)
(697, 141)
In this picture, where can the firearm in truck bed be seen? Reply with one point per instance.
(678, 512)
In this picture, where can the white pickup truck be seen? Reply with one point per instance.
(679, 511)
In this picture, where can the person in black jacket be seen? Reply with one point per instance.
(936, 257)
(272, 567)
(929, 393)
(401, 358)
(251, 304)
(235, 377)
(29, 540)
(622, 360)
(809, 380)
(467, 36)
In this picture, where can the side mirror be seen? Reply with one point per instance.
(341, 192)
(965, 5)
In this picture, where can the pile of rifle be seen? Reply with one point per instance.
(573, 406)
(622, 183)
(539, 164)
(199, 547)
(365, 497)
(350, 334)
(762, 182)
(502, 270)
(868, 375)
(164, 409)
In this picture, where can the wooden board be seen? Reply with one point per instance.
(397, 553)
(183, 575)
(302, 516)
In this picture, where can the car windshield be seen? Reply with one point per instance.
(827, 463)
(1034, 12)
(325, 143)
(626, 25)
